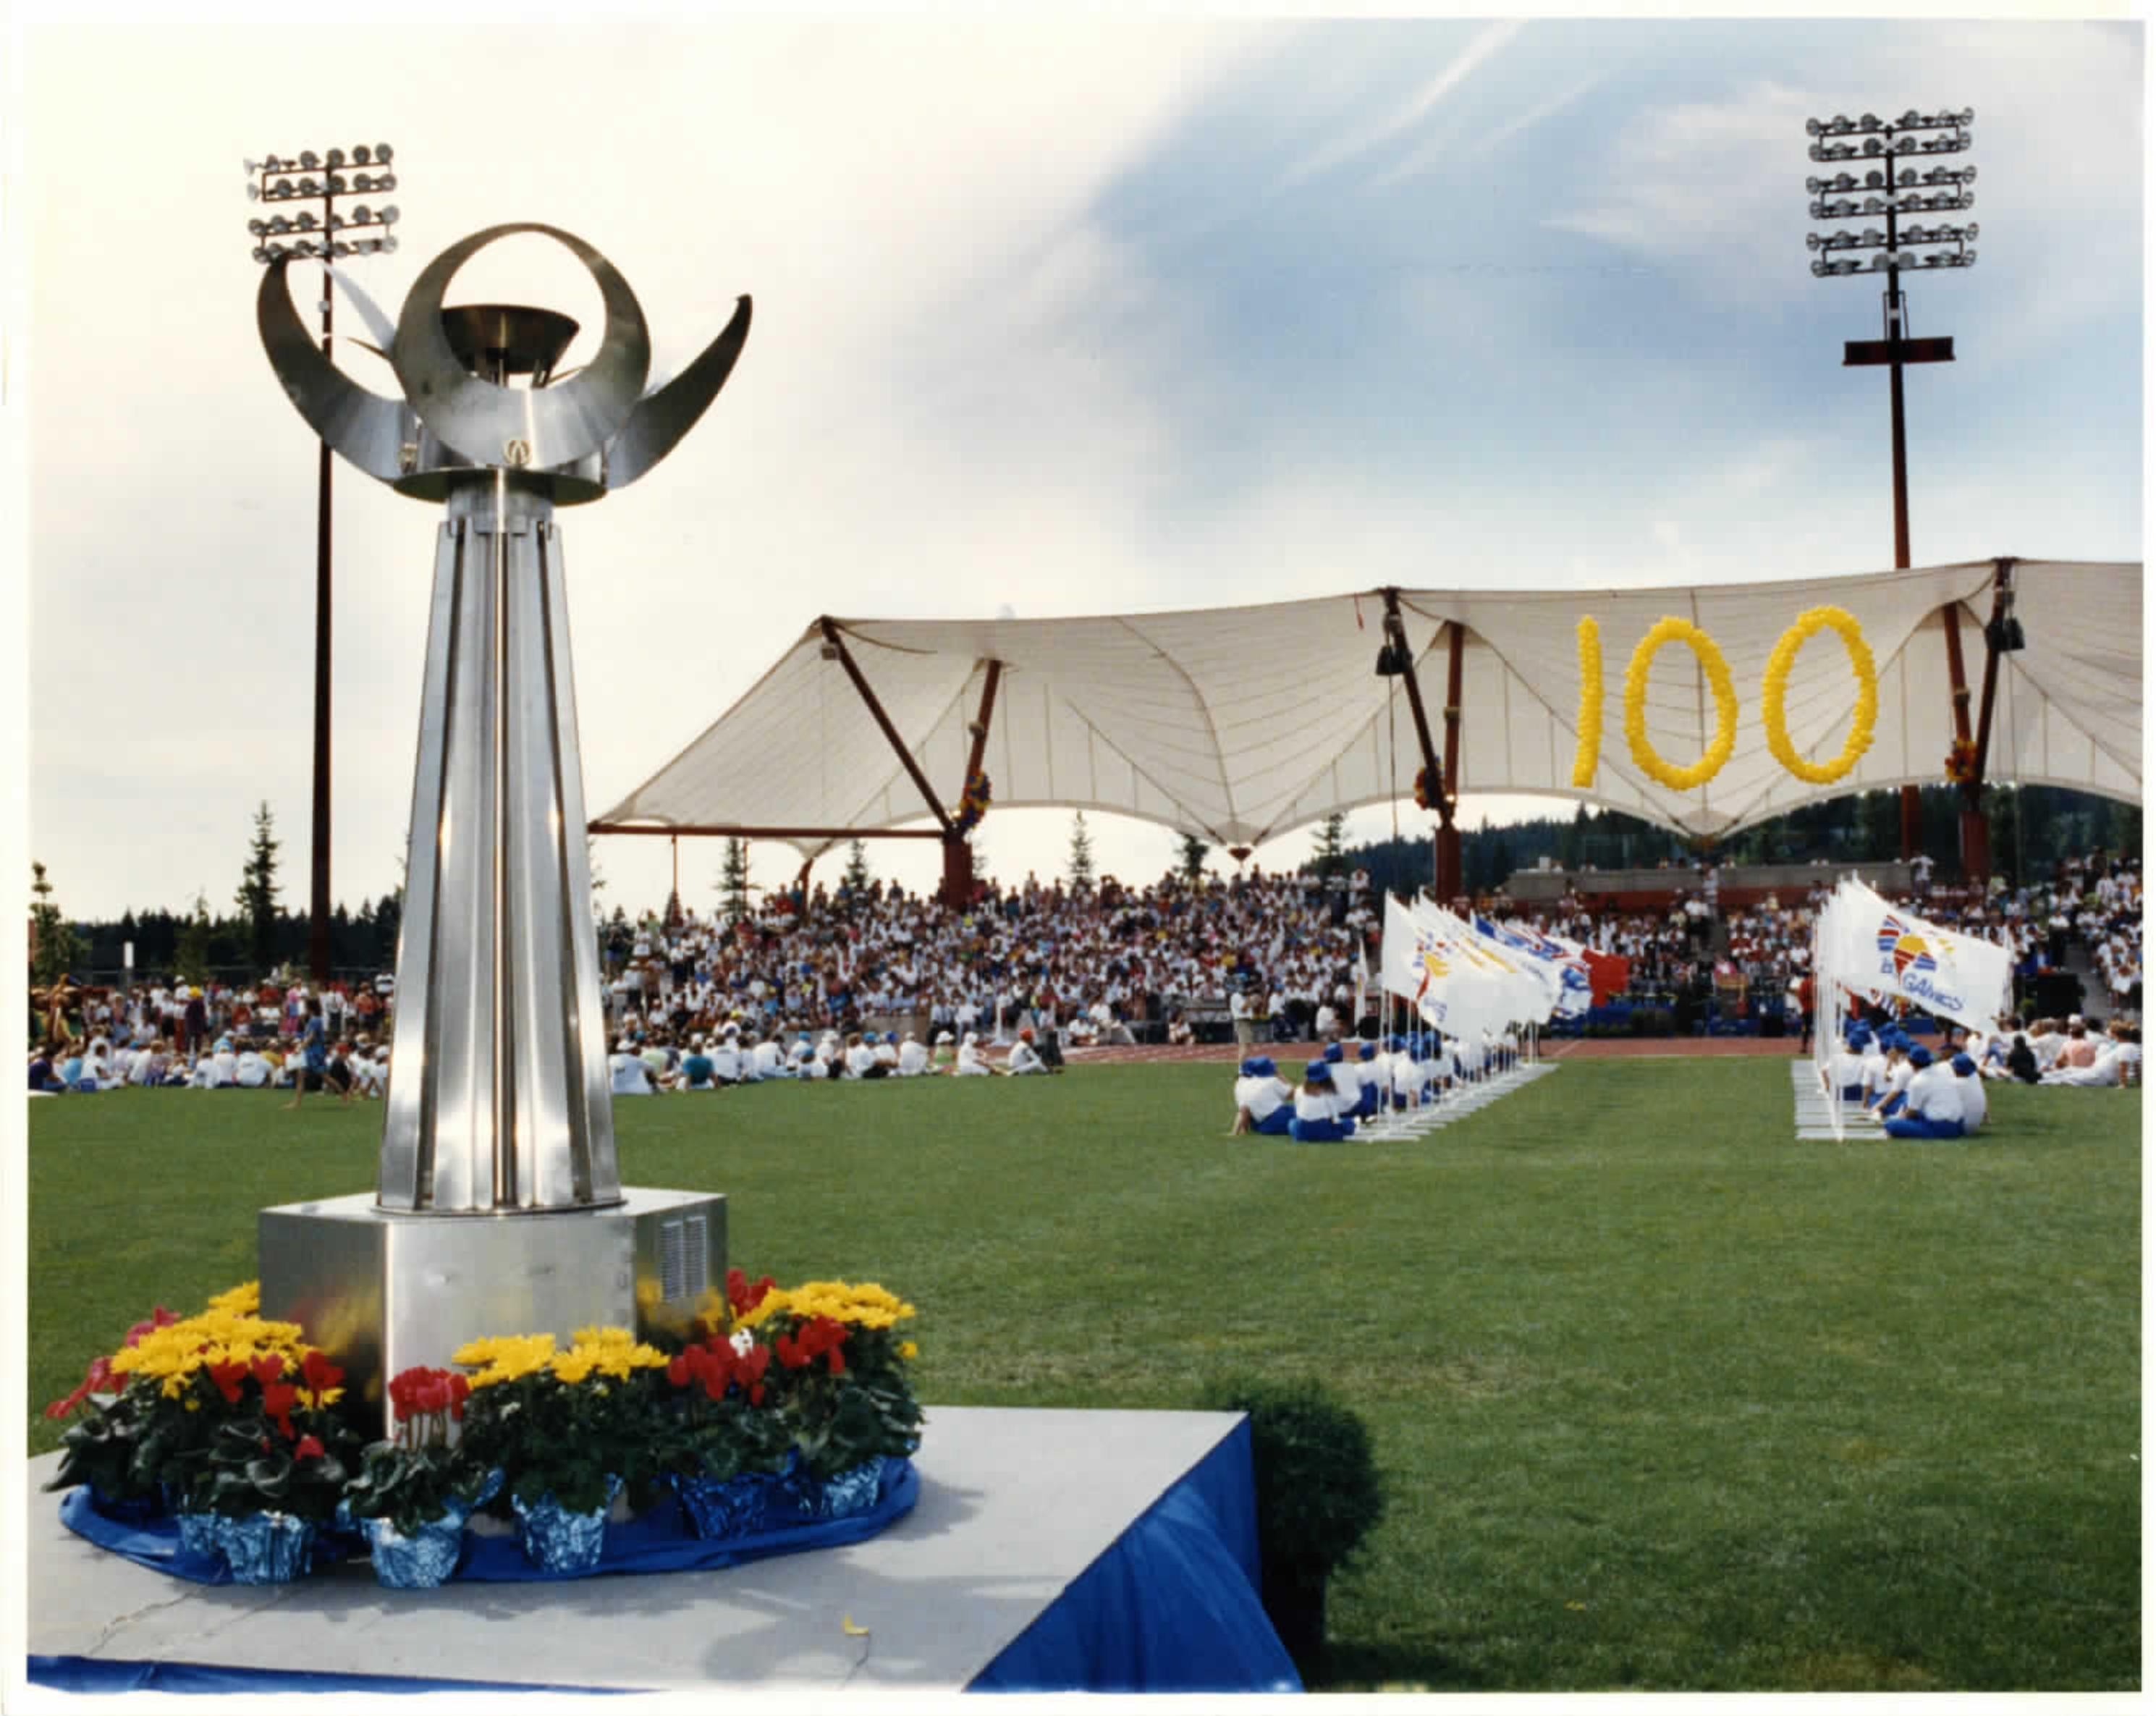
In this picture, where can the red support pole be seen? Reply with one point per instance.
(1975, 837)
(1448, 887)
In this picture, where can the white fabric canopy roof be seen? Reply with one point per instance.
(1241, 724)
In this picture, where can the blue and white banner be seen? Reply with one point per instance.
(1562, 960)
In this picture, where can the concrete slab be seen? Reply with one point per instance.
(1014, 1505)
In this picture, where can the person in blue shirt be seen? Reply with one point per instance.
(314, 1054)
(696, 1067)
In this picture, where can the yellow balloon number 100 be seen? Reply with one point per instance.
(1774, 702)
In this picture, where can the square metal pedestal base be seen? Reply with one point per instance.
(381, 1289)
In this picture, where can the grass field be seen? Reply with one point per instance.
(1665, 1399)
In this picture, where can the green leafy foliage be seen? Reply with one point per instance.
(1319, 1493)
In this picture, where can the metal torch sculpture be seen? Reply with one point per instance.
(499, 1103)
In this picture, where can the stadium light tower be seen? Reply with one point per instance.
(1888, 170)
(1884, 180)
(334, 235)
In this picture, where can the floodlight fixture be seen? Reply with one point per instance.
(389, 216)
(385, 181)
(269, 180)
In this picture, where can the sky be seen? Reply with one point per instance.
(1100, 315)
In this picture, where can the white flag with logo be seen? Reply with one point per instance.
(1883, 950)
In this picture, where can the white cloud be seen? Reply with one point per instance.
(1362, 138)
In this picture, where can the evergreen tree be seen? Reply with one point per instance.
(1330, 859)
(1190, 856)
(733, 882)
(55, 947)
(856, 876)
(190, 955)
(1082, 855)
(257, 898)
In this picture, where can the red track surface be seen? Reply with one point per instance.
(1567, 1049)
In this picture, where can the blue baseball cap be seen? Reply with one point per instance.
(1919, 1056)
(1964, 1066)
(1333, 1052)
(1370, 1051)
(1317, 1072)
(1249, 1068)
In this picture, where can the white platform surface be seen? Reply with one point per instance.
(1014, 1504)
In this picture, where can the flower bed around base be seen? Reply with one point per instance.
(230, 1453)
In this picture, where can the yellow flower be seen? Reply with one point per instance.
(907, 1349)
(244, 1299)
(575, 1365)
(505, 1358)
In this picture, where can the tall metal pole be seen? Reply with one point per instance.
(1889, 144)
(318, 899)
(269, 180)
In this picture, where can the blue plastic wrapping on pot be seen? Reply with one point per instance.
(558, 1541)
(266, 1549)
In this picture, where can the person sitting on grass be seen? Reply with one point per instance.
(945, 1053)
(1846, 1066)
(970, 1065)
(2021, 1060)
(1372, 1078)
(1933, 1109)
(696, 1067)
(45, 1075)
(912, 1058)
(628, 1075)
(1346, 1078)
(1023, 1057)
(1900, 1070)
(1318, 1119)
(2103, 1066)
(1874, 1070)
(1264, 1100)
(1975, 1106)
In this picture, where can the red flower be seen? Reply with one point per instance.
(459, 1386)
(278, 1399)
(228, 1377)
(311, 1448)
(743, 1297)
(268, 1368)
(677, 1370)
(158, 1318)
(319, 1371)
(790, 1354)
(100, 1374)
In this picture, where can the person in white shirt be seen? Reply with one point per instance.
(726, 1057)
(767, 1060)
(1318, 1117)
(1023, 1057)
(970, 1063)
(1845, 1067)
(630, 1077)
(1875, 1065)
(912, 1058)
(807, 1062)
(1346, 1078)
(1894, 1094)
(886, 1054)
(370, 1072)
(861, 1059)
(1934, 1109)
(1239, 1015)
(1264, 1100)
(1975, 1106)
(249, 1071)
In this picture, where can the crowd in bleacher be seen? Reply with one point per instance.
(840, 979)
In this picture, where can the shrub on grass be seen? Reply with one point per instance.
(1318, 1494)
